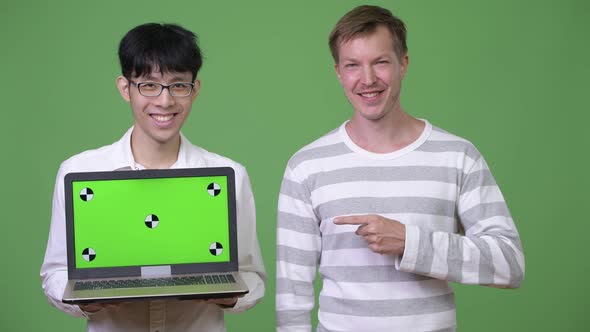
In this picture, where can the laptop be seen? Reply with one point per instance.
(151, 234)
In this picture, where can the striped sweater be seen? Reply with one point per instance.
(458, 229)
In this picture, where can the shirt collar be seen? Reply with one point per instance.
(127, 162)
(182, 161)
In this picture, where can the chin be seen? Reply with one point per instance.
(161, 139)
(372, 115)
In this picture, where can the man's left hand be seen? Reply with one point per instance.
(384, 236)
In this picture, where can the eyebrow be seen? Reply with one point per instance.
(180, 79)
(382, 56)
(173, 79)
(347, 59)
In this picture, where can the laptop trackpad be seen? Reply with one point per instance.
(153, 271)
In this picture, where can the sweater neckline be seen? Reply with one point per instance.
(390, 155)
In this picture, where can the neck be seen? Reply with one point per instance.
(390, 133)
(152, 154)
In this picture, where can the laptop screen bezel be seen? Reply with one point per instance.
(175, 269)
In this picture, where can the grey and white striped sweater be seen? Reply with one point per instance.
(458, 229)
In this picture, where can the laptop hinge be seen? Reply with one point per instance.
(153, 271)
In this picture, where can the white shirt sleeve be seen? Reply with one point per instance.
(249, 257)
(54, 270)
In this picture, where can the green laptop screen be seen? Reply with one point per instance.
(154, 221)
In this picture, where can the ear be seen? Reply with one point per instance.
(123, 86)
(196, 89)
(404, 65)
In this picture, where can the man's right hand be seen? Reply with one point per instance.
(96, 307)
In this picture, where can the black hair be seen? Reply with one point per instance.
(159, 47)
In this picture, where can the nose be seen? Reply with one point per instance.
(165, 100)
(369, 76)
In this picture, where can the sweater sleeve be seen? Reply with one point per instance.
(489, 252)
(298, 253)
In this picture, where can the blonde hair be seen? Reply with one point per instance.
(364, 20)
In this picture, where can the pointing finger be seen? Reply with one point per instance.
(351, 220)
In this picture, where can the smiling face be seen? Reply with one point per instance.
(371, 74)
(158, 119)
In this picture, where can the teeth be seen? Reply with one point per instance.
(369, 95)
(162, 118)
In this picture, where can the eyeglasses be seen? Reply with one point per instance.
(153, 89)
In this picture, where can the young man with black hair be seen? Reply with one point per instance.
(159, 65)
(394, 207)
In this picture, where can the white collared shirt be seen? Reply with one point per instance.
(153, 316)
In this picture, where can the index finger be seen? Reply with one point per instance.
(351, 220)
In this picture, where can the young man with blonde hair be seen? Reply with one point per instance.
(390, 207)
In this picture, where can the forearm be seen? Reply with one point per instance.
(256, 291)
(298, 250)
(54, 270)
(490, 252)
(250, 261)
(53, 284)
(486, 259)
(296, 269)
(294, 296)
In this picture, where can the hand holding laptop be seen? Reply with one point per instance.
(224, 302)
(96, 307)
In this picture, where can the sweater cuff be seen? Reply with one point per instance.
(407, 262)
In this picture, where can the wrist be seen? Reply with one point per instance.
(229, 304)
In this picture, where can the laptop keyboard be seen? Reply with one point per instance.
(155, 282)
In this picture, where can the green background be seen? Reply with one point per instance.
(511, 76)
(113, 221)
